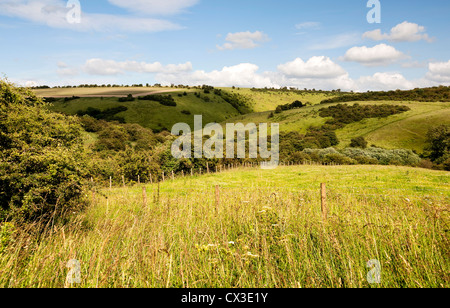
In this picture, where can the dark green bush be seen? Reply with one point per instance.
(42, 161)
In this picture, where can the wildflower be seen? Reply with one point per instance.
(249, 254)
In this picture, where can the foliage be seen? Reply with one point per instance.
(434, 94)
(128, 98)
(42, 162)
(240, 102)
(294, 105)
(109, 114)
(359, 142)
(438, 142)
(165, 100)
(345, 114)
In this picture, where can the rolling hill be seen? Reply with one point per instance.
(406, 130)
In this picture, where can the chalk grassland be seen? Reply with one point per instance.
(270, 100)
(265, 230)
(406, 130)
(153, 115)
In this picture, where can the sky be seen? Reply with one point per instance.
(321, 44)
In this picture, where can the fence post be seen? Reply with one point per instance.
(110, 182)
(144, 196)
(323, 194)
(139, 179)
(123, 180)
(163, 178)
(151, 179)
(207, 167)
(173, 176)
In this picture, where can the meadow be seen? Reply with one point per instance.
(263, 229)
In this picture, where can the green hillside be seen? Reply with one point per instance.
(269, 99)
(151, 114)
(406, 130)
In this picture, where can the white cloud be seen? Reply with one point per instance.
(241, 75)
(378, 55)
(315, 67)
(385, 81)
(308, 25)
(439, 72)
(111, 67)
(244, 40)
(53, 14)
(338, 41)
(67, 72)
(404, 32)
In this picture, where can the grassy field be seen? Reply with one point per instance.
(267, 231)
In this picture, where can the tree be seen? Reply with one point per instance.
(438, 142)
(359, 142)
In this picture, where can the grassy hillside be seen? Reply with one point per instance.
(151, 114)
(270, 99)
(266, 232)
(406, 130)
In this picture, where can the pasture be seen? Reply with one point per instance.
(261, 229)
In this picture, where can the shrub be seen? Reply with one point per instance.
(359, 142)
(42, 161)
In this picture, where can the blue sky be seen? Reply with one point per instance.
(320, 44)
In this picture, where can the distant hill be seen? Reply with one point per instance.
(428, 107)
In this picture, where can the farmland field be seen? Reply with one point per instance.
(265, 230)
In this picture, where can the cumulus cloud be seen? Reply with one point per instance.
(439, 72)
(404, 32)
(378, 55)
(385, 81)
(241, 75)
(244, 40)
(315, 67)
(111, 67)
(53, 13)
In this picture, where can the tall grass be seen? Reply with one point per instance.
(267, 231)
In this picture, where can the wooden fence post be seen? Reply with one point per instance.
(144, 196)
(151, 179)
(207, 167)
(110, 182)
(323, 194)
(123, 180)
(163, 178)
(173, 176)
(139, 179)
